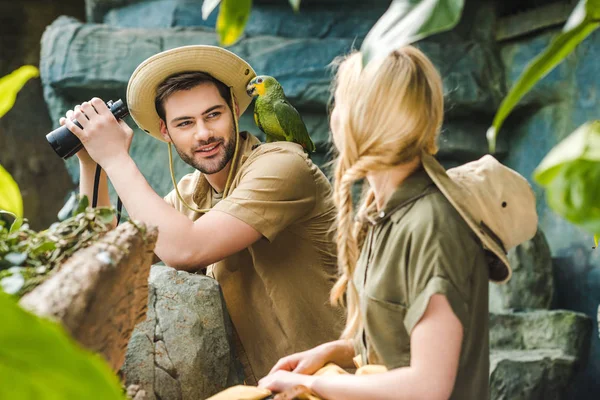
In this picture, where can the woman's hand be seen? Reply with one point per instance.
(283, 380)
(310, 361)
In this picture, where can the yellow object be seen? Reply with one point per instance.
(241, 392)
(12, 83)
(596, 241)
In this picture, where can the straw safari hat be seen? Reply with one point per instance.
(221, 64)
(497, 203)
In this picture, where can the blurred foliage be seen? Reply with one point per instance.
(10, 85)
(38, 360)
(571, 175)
(406, 22)
(584, 19)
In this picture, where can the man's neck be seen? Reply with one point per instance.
(218, 180)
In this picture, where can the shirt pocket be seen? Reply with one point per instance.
(387, 338)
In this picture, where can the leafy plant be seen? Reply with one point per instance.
(408, 21)
(584, 19)
(10, 85)
(570, 174)
(38, 360)
(27, 258)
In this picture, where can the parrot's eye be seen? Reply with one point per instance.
(259, 80)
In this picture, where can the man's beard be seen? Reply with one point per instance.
(217, 162)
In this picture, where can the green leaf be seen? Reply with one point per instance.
(17, 223)
(295, 5)
(106, 215)
(40, 361)
(595, 241)
(12, 83)
(232, 19)
(208, 7)
(582, 144)
(570, 174)
(408, 21)
(584, 19)
(10, 195)
(81, 205)
(44, 247)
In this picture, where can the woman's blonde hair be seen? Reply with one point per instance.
(387, 113)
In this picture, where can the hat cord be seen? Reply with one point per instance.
(231, 170)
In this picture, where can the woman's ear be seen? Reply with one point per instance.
(164, 132)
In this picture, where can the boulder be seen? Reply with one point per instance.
(532, 284)
(530, 374)
(184, 348)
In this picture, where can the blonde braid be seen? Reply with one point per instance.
(347, 239)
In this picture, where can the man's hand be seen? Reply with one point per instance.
(104, 138)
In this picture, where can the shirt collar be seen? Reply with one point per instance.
(409, 190)
(248, 143)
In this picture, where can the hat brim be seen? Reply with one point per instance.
(221, 64)
(499, 272)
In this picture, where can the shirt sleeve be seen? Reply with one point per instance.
(276, 190)
(442, 261)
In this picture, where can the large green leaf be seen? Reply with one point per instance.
(407, 21)
(10, 195)
(12, 83)
(232, 19)
(584, 19)
(38, 360)
(571, 175)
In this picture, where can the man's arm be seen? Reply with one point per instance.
(182, 243)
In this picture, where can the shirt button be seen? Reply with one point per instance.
(382, 214)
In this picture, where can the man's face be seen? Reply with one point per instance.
(200, 125)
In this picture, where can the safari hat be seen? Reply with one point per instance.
(497, 203)
(221, 64)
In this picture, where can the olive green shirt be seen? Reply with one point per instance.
(418, 246)
(276, 290)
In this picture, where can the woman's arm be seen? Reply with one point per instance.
(435, 350)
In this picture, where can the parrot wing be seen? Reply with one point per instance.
(290, 120)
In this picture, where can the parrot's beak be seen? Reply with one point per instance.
(250, 89)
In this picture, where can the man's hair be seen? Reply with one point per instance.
(186, 81)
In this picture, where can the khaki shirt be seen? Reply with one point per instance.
(416, 247)
(276, 290)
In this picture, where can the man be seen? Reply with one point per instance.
(267, 234)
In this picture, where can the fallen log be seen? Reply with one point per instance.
(101, 292)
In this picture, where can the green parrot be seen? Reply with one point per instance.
(275, 116)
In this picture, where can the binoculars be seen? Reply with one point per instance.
(65, 143)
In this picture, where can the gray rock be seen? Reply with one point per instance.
(532, 284)
(530, 375)
(194, 358)
(97, 10)
(274, 19)
(567, 331)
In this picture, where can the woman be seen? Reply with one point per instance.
(417, 294)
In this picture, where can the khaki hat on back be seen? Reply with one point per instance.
(221, 64)
(497, 203)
